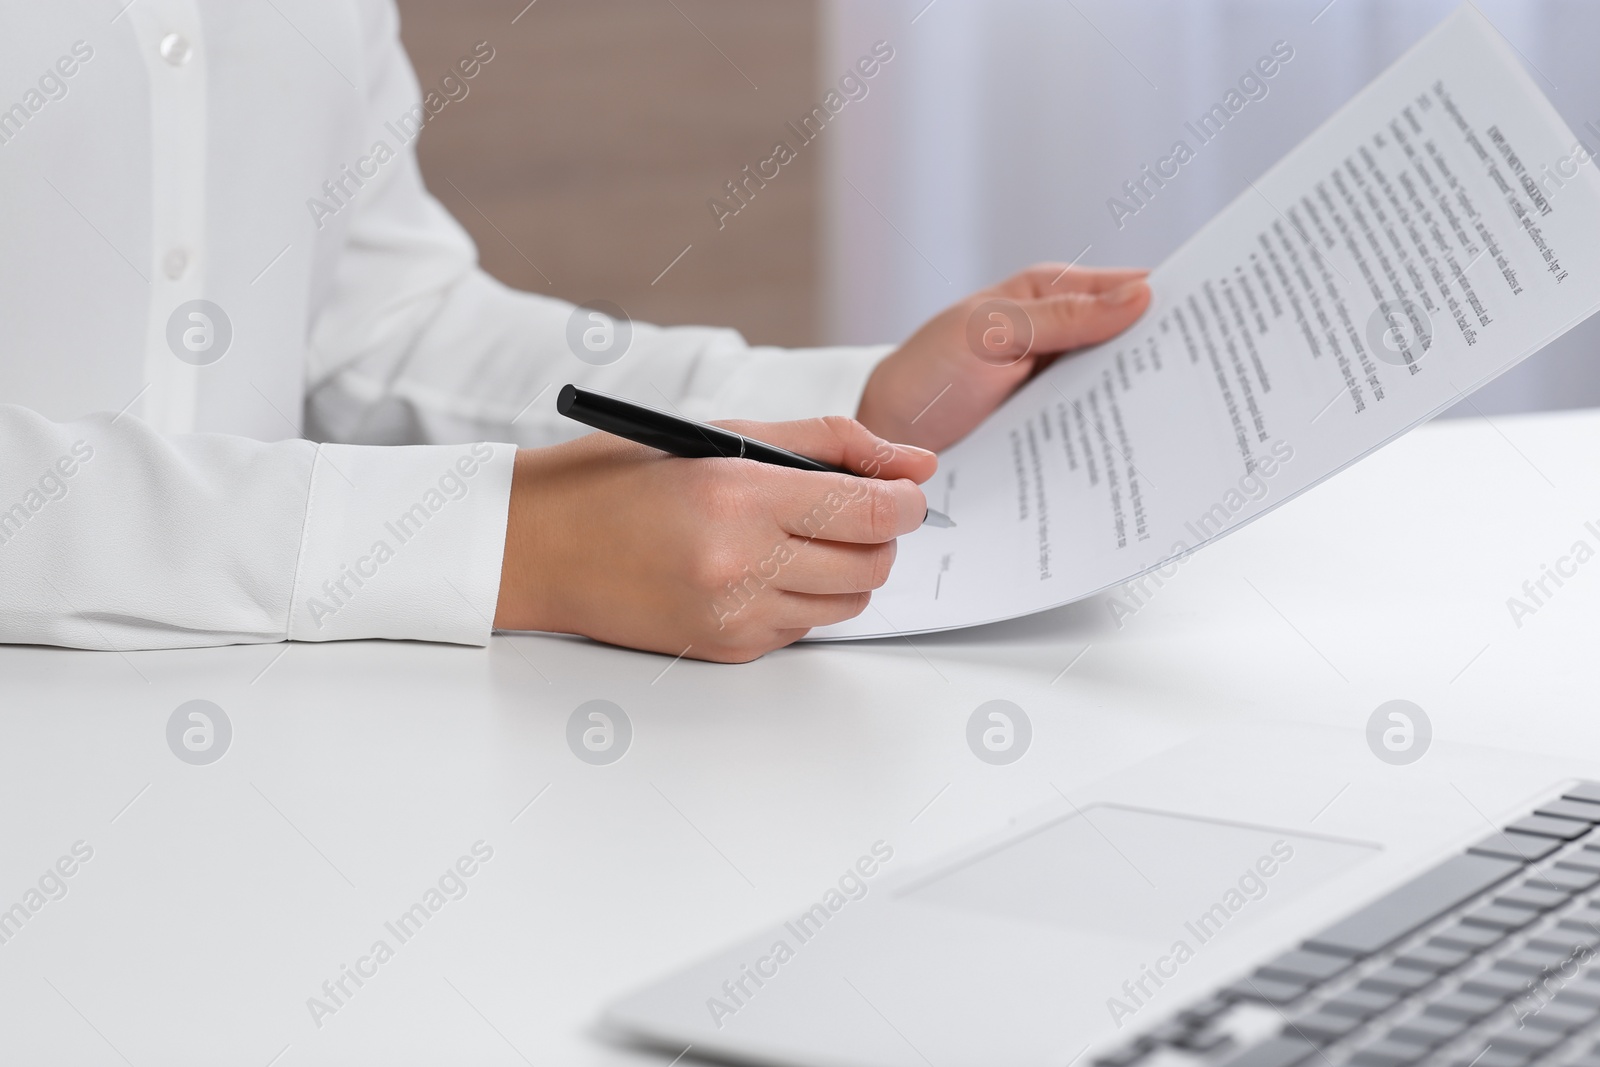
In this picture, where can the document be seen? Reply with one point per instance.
(1439, 229)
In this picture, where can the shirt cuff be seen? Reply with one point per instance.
(403, 543)
(780, 384)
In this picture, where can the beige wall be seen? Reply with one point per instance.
(595, 136)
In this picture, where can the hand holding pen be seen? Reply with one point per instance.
(688, 439)
(722, 561)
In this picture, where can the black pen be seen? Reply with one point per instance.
(691, 440)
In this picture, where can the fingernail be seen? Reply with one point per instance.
(915, 451)
(1126, 293)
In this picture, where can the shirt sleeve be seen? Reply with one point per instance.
(417, 344)
(115, 537)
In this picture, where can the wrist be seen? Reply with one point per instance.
(872, 412)
(528, 590)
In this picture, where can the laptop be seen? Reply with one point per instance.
(1264, 896)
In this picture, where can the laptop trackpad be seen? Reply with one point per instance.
(1110, 869)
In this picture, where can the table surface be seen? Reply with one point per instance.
(220, 897)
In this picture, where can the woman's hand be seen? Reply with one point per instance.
(718, 559)
(938, 386)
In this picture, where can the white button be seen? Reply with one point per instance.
(175, 262)
(175, 49)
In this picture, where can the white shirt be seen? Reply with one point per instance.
(161, 152)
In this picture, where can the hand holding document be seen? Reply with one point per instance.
(1440, 228)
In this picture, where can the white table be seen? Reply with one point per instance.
(220, 897)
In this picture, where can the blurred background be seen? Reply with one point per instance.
(586, 153)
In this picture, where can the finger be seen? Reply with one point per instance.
(1053, 279)
(807, 610)
(837, 507)
(822, 566)
(1073, 320)
(843, 443)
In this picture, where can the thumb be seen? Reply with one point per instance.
(845, 443)
(1074, 320)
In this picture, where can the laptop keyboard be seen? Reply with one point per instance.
(1490, 959)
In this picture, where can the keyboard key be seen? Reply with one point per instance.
(1385, 1053)
(1532, 896)
(1273, 1052)
(1549, 826)
(1512, 846)
(1494, 1057)
(1204, 1042)
(1583, 810)
(1428, 1030)
(1568, 937)
(1203, 1012)
(1575, 939)
(1589, 791)
(1361, 1003)
(1581, 992)
(1583, 928)
(1321, 1026)
(1565, 1016)
(1492, 983)
(1573, 881)
(1168, 1033)
(1467, 938)
(1265, 991)
(1532, 960)
(1424, 898)
(1467, 1007)
(1434, 958)
(1306, 968)
(1500, 917)
(1528, 1040)
(1585, 859)
(1578, 996)
(1395, 979)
